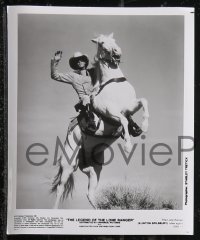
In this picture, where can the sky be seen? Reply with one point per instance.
(152, 61)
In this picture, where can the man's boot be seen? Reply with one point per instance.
(91, 126)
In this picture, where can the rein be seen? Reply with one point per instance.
(112, 60)
(116, 80)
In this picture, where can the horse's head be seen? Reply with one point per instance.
(108, 50)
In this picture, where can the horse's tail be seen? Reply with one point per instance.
(68, 186)
(57, 179)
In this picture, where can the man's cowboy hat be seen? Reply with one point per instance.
(77, 56)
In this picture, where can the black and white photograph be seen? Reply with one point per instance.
(100, 121)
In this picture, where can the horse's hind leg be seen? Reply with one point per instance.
(92, 184)
(93, 173)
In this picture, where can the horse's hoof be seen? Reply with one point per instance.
(91, 201)
(128, 148)
(135, 132)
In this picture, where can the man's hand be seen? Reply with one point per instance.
(96, 88)
(57, 56)
(54, 62)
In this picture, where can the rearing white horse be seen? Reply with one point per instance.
(116, 98)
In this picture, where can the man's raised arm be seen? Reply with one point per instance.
(55, 75)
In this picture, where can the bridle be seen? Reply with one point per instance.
(113, 57)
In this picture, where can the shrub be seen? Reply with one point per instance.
(121, 196)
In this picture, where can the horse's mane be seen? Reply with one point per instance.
(94, 71)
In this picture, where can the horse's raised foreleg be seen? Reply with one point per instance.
(145, 122)
(138, 104)
(119, 117)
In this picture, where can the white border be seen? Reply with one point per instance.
(126, 229)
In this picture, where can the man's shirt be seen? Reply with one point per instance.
(82, 84)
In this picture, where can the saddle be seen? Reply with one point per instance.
(82, 120)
